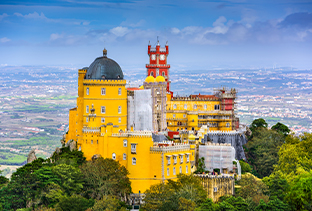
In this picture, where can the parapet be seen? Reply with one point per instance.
(103, 82)
(169, 147)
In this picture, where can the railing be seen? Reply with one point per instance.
(176, 147)
(91, 130)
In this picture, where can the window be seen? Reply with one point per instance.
(103, 120)
(125, 143)
(119, 120)
(187, 158)
(87, 119)
(163, 74)
(181, 158)
(91, 141)
(87, 109)
(103, 109)
(86, 141)
(184, 115)
(119, 109)
(175, 159)
(114, 156)
(168, 160)
(174, 115)
(186, 169)
(185, 106)
(119, 91)
(174, 171)
(79, 148)
(195, 106)
(174, 106)
(133, 148)
(180, 169)
(227, 124)
(134, 161)
(97, 141)
(152, 74)
(168, 172)
(157, 71)
(205, 106)
(103, 91)
(217, 107)
(87, 91)
(124, 156)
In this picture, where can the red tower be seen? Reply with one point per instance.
(158, 62)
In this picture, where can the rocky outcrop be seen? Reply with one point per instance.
(71, 144)
(248, 131)
(31, 156)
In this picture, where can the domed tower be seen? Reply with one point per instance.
(101, 87)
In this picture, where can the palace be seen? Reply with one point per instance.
(130, 124)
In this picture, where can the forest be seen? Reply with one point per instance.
(277, 175)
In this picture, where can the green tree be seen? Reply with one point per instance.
(281, 128)
(262, 151)
(105, 177)
(108, 203)
(300, 194)
(75, 202)
(252, 187)
(208, 205)
(258, 123)
(70, 178)
(245, 167)
(278, 186)
(273, 205)
(200, 166)
(295, 154)
(184, 194)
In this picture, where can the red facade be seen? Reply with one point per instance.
(158, 62)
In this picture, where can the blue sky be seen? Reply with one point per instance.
(201, 34)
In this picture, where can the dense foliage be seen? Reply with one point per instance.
(277, 175)
(63, 182)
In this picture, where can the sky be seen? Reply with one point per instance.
(201, 34)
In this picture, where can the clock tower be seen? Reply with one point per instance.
(158, 62)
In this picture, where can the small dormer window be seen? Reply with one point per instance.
(118, 76)
(103, 76)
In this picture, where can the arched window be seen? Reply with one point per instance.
(168, 172)
(186, 169)
(227, 124)
(124, 156)
(114, 156)
(174, 171)
(163, 73)
(87, 91)
(119, 109)
(195, 106)
(134, 161)
(152, 74)
(125, 143)
(174, 106)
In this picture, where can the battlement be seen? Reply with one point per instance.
(169, 147)
(224, 133)
(103, 82)
(137, 134)
(194, 99)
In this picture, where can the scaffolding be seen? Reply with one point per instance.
(218, 156)
(140, 110)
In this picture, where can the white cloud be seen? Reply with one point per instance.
(56, 36)
(34, 15)
(175, 30)
(4, 40)
(119, 31)
(4, 15)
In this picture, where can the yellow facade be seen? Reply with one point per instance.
(191, 114)
(98, 124)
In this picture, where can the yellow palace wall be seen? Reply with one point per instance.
(184, 114)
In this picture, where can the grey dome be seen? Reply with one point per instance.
(105, 69)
